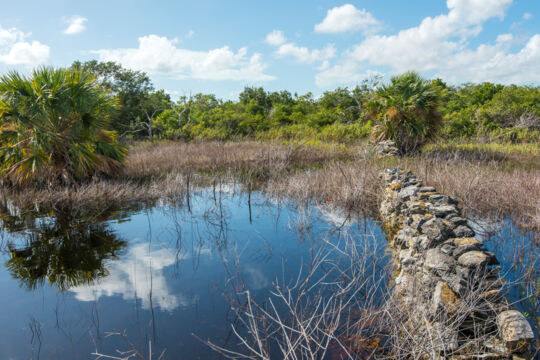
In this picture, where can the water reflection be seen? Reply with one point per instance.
(63, 250)
(518, 251)
(161, 274)
(139, 275)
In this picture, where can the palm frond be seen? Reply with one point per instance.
(54, 125)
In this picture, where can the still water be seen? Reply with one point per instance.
(160, 275)
(167, 275)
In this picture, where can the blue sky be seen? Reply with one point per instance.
(221, 46)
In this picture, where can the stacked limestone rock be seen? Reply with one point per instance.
(386, 148)
(446, 277)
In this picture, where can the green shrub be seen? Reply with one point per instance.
(54, 128)
(346, 133)
(407, 110)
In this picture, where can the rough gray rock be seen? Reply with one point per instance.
(456, 282)
(436, 230)
(460, 250)
(408, 192)
(417, 208)
(402, 237)
(386, 148)
(445, 339)
(439, 264)
(416, 221)
(405, 287)
(464, 231)
(474, 259)
(514, 329)
(420, 242)
(442, 210)
(448, 249)
(435, 259)
(442, 199)
(456, 220)
(444, 300)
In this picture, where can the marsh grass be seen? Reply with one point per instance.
(483, 187)
(261, 160)
(501, 156)
(487, 183)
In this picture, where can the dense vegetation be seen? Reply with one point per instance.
(491, 111)
(63, 125)
(424, 108)
(54, 127)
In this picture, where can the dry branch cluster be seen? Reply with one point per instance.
(327, 310)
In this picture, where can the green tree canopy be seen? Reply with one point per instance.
(131, 87)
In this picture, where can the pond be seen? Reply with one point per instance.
(164, 276)
(173, 276)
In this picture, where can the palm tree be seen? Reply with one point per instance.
(54, 128)
(407, 111)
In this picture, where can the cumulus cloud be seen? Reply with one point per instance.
(75, 25)
(157, 54)
(16, 50)
(276, 38)
(527, 16)
(300, 53)
(439, 45)
(346, 72)
(304, 55)
(347, 18)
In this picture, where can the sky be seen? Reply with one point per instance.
(302, 46)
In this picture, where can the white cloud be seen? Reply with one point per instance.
(276, 38)
(300, 53)
(495, 63)
(10, 36)
(347, 18)
(157, 54)
(440, 45)
(304, 55)
(527, 16)
(75, 25)
(15, 50)
(504, 38)
(424, 47)
(347, 72)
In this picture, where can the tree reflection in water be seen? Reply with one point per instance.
(64, 248)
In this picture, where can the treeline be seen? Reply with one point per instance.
(493, 111)
(64, 125)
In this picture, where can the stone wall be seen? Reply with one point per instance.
(445, 279)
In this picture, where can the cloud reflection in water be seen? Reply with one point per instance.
(136, 276)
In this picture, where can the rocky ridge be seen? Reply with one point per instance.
(446, 281)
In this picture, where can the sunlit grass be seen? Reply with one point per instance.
(506, 148)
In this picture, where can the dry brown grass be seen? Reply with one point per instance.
(354, 184)
(260, 159)
(346, 177)
(165, 171)
(483, 188)
(96, 196)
